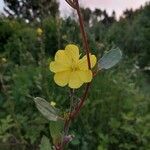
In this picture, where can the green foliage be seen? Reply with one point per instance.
(22, 45)
(7, 29)
(5, 125)
(65, 32)
(45, 144)
(51, 35)
(133, 35)
(116, 97)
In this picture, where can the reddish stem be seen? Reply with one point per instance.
(74, 113)
(78, 108)
(84, 36)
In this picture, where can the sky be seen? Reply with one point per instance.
(109, 5)
(118, 5)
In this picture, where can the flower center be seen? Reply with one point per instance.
(74, 67)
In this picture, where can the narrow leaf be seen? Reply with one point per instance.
(45, 144)
(46, 109)
(110, 59)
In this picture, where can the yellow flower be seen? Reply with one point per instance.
(53, 103)
(70, 69)
(39, 31)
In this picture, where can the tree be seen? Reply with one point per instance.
(31, 9)
(128, 13)
(98, 12)
(108, 20)
(86, 12)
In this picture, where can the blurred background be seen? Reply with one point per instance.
(116, 115)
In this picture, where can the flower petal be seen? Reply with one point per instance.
(85, 76)
(75, 81)
(58, 67)
(62, 78)
(72, 51)
(61, 57)
(83, 63)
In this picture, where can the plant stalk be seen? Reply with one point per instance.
(76, 111)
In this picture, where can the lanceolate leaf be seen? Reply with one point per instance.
(46, 109)
(110, 59)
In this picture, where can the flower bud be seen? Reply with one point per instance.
(53, 103)
(39, 31)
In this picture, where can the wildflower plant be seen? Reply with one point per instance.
(72, 70)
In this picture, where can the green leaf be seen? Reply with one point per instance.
(114, 123)
(100, 147)
(110, 59)
(46, 109)
(75, 141)
(45, 144)
(56, 129)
